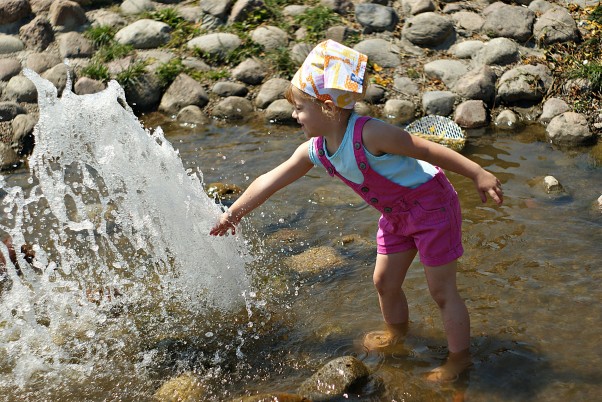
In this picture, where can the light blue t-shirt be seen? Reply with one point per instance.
(403, 170)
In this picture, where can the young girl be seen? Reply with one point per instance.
(395, 172)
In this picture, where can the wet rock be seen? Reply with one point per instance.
(57, 75)
(228, 88)
(281, 112)
(23, 140)
(399, 110)
(438, 102)
(20, 89)
(184, 91)
(552, 108)
(9, 110)
(509, 21)
(506, 120)
(337, 377)
(270, 91)
(144, 93)
(552, 185)
(8, 157)
(223, 192)
(428, 29)
(186, 387)
(555, 26)
(315, 260)
(376, 17)
(525, 85)
(472, 114)
(233, 108)
(569, 129)
(192, 115)
(272, 397)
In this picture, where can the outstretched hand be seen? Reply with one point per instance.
(226, 223)
(487, 183)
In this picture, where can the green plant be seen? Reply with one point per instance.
(101, 35)
(316, 21)
(112, 51)
(281, 60)
(596, 15)
(169, 15)
(167, 72)
(212, 75)
(97, 71)
(130, 76)
(592, 71)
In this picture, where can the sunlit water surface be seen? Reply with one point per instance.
(529, 276)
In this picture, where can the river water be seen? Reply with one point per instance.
(529, 277)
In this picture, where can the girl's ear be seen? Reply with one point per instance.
(330, 106)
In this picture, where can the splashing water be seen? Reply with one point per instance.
(120, 232)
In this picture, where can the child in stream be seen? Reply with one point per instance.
(395, 172)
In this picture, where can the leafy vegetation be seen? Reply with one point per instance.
(316, 21)
(101, 35)
(96, 71)
(131, 75)
(168, 72)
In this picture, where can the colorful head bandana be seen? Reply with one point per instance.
(333, 72)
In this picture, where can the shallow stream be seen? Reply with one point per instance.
(529, 276)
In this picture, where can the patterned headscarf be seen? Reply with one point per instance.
(333, 72)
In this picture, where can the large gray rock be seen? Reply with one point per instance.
(133, 7)
(144, 34)
(13, 10)
(233, 108)
(569, 129)
(270, 91)
(23, 140)
(525, 84)
(552, 108)
(184, 91)
(380, 51)
(270, 37)
(508, 21)
(215, 44)
(250, 71)
(37, 34)
(376, 17)
(399, 110)
(280, 112)
(217, 8)
(472, 114)
(477, 84)
(498, 51)
(438, 102)
(144, 93)
(429, 30)
(65, 15)
(243, 8)
(58, 76)
(335, 379)
(9, 110)
(555, 26)
(75, 45)
(9, 68)
(20, 89)
(10, 44)
(446, 70)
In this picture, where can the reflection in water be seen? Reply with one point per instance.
(529, 274)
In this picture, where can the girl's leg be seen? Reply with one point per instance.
(442, 286)
(389, 274)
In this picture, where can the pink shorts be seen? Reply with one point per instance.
(430, 222)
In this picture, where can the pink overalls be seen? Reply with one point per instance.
(426, 218)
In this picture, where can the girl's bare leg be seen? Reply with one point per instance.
(442, 286)
(389, 274)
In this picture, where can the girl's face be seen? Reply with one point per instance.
(309, 115)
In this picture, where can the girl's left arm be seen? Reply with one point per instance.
(380, 137)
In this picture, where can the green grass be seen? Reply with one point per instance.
(592, 71)
(100, 36)
(130, 76)
(96, 71)
(168, 72)
(316, 21)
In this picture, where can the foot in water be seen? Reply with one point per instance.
(456, 364)
(389, 340)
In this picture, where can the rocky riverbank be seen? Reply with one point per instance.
(481, 63)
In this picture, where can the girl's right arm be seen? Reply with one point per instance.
(262, 188)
